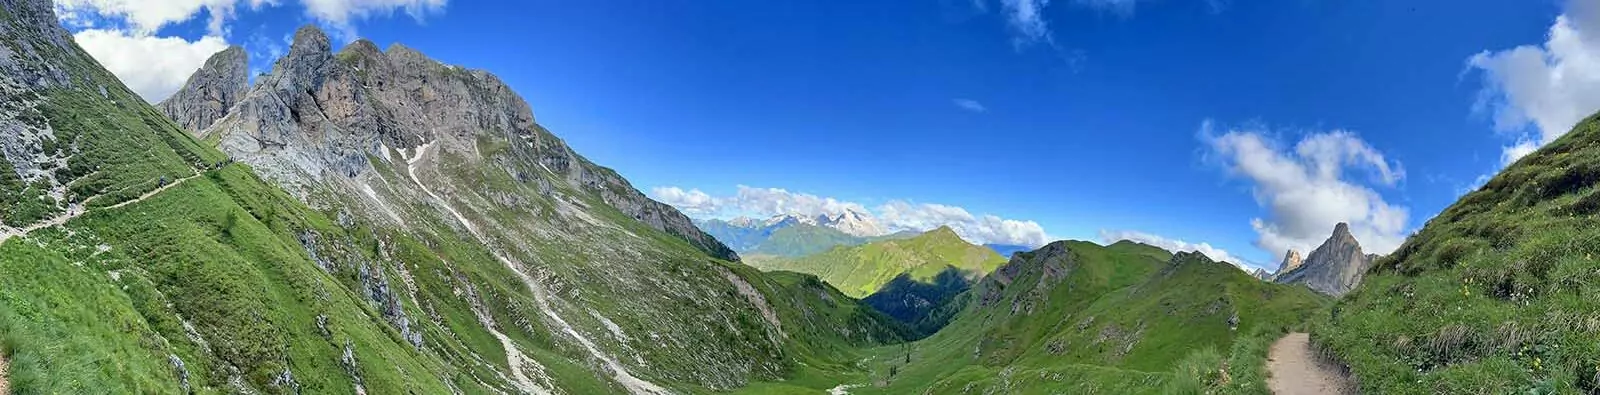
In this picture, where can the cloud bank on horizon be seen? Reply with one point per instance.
(121, 34)
(894, 216)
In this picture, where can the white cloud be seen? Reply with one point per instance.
(693, 202)
(970, 105)
(130, 58)
(145, 16)
(341, 12)
(1174, 245)
(1309, 189)
(774, 201)
(1547, 87)
(121, 33)
(1517, 151)
(894, 216)
(1026, 19)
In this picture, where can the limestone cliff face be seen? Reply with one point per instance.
(320, 116)
(34, 64)
(402, 143)
(1334, 268)
(211, 91)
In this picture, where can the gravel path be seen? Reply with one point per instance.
(5, 387)
(78, 209)
(1296, 370)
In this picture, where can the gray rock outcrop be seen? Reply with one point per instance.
(213, 89)
(1334, 268)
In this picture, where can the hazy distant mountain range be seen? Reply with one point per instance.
(790, 235)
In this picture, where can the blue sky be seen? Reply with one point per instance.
(1249, 126)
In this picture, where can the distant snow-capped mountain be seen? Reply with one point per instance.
(794, 235)
(853, 223)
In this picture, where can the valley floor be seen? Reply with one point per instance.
(1297, 370)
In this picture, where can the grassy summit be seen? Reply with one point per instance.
(859, 271)
(1496, 294)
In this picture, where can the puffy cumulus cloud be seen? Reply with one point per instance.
(1310, 188)
(1174, 245)
(121, 33)
(152, 77)
(1547, 87)
(693, 202)
(893, 216)
(145, 16)
(901, 215)
(776, 201)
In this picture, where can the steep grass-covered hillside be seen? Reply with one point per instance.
(1496, 294)
(135, 258)
(1075, 317)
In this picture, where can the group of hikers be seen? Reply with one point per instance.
(218, 165)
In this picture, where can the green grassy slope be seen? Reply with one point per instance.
(827, 331)
(801, 240)
(211, 273)
(213, 285)
(861, 270)
(1079, 318)
(101, 150)
(227, 284)
(1496, 294)
(924, 305)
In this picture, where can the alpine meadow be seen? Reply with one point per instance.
(938, 197)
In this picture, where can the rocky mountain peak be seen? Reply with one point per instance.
(308, 55)
(38, 15)
(310, 40)
(213, 89)
(35, 22)
(1334, 268)
(321, 120)
(1291, 261)
(1342, 231)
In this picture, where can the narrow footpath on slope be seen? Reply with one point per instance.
(5, 386)
(6, 233)
(1295, 369)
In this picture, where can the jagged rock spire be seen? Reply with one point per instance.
(1334, 268)
(211, 91)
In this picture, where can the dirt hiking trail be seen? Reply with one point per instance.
(1295, 369)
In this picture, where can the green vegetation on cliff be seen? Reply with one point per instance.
(1496, 294)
